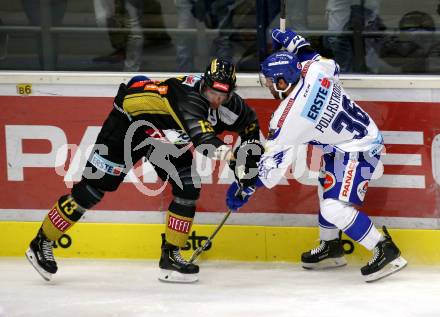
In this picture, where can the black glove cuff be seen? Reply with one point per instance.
(249, 148)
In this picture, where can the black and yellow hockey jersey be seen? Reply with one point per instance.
(179, 112)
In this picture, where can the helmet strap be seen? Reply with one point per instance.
(280, 92)
(202, 85)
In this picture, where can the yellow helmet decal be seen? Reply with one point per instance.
(214, 66)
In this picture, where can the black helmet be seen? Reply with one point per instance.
(220, 75)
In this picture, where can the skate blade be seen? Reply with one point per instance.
(169, 276)
(325, 264)
(32, 259)
(391, 268)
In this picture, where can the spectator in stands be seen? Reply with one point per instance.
(214, 15)
(184, 42)
(414, 48)
(110, 14)
(356, 16)
(120, 14)
(55, 14)
(296, 14)
(4, 39)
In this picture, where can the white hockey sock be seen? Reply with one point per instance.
(327, 230)
(327, 234)
(356, 224)
(371, 239)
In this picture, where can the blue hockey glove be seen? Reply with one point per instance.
(236, 196)
(288, 39)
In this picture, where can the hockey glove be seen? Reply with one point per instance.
(236, 197)
(288, 39)
(245, 166)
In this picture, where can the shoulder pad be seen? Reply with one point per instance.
(138, 84)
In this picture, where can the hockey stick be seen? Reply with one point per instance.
(202, 248)
(283, 15)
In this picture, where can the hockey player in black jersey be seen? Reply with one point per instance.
(158, 121)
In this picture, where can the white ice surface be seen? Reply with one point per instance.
(130, 288)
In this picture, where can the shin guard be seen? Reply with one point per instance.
(179, 219)
(64, 214)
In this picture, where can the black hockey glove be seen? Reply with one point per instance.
(245, 165)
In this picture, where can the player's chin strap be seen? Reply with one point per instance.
(280, 92)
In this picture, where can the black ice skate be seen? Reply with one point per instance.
(174, 268)
(40, 254)
(386, 260)
(328, 254)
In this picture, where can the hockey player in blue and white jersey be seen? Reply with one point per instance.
(316, 110)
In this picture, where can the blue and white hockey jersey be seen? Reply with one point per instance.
(317, 111)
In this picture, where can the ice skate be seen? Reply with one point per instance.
(40, 255)
(386, 260)
(174, 268)
(328, 254)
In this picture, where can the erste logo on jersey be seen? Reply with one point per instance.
(317, 99)
(106, 166)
